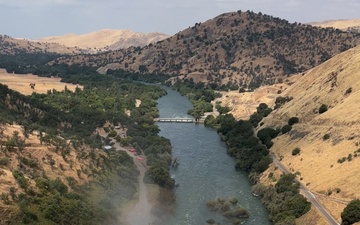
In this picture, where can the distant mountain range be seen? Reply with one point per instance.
(11, 46)
(245, 48)
(346, 25)
(106, 40)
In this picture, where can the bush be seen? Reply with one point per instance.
(267, 134)
(20, 179)
(323, 108)
(113, 133)
(351, 213)
(286, 128)
(293, 120)
(295, 151)
(348, 91)
(4, 161)
(238, 212)
(326, 137)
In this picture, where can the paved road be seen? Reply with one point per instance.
(308, 194)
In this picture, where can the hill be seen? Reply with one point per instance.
(346, 25)
(105, 40)
(12, 46)
(241, 47)
(328, 163)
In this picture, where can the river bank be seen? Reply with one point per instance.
(205, 170)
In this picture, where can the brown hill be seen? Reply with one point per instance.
(244, 47)
(346, 25)
(328, 163)
(11, 46)
(105, 40)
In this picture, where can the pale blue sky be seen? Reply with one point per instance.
(40, 18)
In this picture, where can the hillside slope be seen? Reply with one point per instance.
(328, 163)
(241, 47)
(346, 25)
(11, 46)
(107, 39)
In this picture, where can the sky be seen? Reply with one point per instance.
(41, 18)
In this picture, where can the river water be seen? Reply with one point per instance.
(205, 171)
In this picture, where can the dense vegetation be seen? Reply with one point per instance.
(75, 117)
(351, 213)
(229, 209)
(199, 95)
(283, 201)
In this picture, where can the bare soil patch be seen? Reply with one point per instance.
(242, 105)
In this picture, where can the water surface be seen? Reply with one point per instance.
(205, 171)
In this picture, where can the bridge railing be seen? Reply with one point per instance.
(175, 120)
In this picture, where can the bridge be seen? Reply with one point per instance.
(175, 120)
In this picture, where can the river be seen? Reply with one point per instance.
(205, 171)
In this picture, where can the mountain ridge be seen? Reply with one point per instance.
(342, 24)
(106, 39)
(239, 47)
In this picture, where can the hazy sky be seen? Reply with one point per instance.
(40, 18)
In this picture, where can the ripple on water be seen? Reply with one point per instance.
(205, 171)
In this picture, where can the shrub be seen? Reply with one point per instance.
(293, 120)
(295, 151)
(341, 160)
(238, 212)
(20, 179)
(348, 91)
(4, 161)
(351, 213)
(326, 137)
(267, 134)
(279, 101)
(263, 109)
(323, 108)
(113, 133)
(286, 128)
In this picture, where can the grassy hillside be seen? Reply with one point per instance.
(328, 162)
(12, 46)
(105, 40)
(53, 169)
(346, 25)
(241, 47)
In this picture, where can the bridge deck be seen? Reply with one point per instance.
(175, 120)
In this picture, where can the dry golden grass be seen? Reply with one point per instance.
(21, 82)
(41, 152)
(11, 45)
(340, 24)
(242, 105)
(311, 218)
(334, 182)
(106, 39)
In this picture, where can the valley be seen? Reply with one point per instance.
(286, 99)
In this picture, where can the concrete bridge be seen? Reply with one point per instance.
(175, 120)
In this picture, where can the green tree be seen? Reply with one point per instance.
(293, 120)
(323, 108)
(351, 213)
